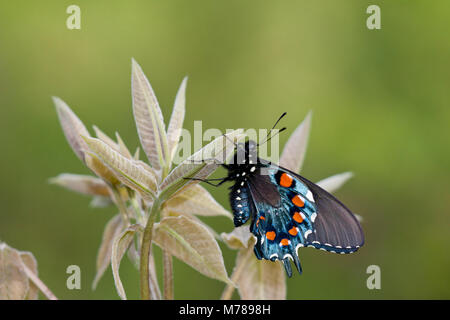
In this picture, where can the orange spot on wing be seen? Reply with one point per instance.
(262, 218)
(270, 235)
(293, 231)
(284, 242)
(297, 200)
(285, 180)
(297, 217)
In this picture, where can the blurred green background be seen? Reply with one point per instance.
(380, 102)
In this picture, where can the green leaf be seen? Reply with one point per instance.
(72, 126)
(295, 149)
(149, 119)
(128, 171)
(14, 283)
(177, 118)
(120, 246)
(196, 200)
(192, 243)
(112, 230)
(84, 184)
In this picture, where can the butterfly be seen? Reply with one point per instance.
(287, 211)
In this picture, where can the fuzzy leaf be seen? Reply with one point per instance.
(239, 238)
(126, 170)
(201, 164)
(105, 138)
(333, 183)
(30, 262)
(148, 118)
(120, 246)
(137, 154)
(112, 230)
(196, 200)
(122, 147)
(82, 183)
(100, 169)
(192, 243)
(100, 202)
(177, 118)
(117, 146)
(259, 279)
(168, 213)
(14, 283)
(72, 126)
(295, 149)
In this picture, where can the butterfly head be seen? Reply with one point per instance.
(246, 153)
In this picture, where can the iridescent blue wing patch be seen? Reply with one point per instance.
(290, 212)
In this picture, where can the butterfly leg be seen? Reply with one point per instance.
(208, 181)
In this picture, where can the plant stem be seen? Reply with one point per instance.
(228, 292)
(168, 276)
(146, 248)
(38, 282)
(121, 205)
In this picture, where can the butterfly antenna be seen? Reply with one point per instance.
(268, 137)
(267, 140)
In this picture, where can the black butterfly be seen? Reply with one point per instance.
(287, 211)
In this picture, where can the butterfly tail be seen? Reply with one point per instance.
(287, 267)
(297, 263)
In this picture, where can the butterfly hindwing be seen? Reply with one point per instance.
(290, 212)
(336, 228)
(283, 216)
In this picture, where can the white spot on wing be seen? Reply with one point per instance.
(287, 255)
(309, 196)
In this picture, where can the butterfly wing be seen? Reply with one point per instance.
(336, 228)
(291, 212)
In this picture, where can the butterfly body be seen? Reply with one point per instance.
(287, 211)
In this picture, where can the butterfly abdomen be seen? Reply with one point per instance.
(240, 204)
